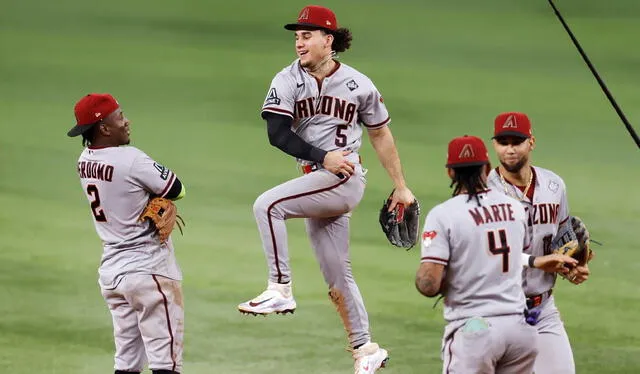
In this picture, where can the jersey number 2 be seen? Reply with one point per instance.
(503, 249)
(98, 213)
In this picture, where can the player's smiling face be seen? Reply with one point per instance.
(513, 151)
(312, 46)
(117, 125)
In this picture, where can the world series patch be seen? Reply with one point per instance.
(272, 98)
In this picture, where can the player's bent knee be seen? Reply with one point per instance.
(261, 205)
(264, 206)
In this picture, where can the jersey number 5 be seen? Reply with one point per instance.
(503, 249)
(98, 213)
(341, 139)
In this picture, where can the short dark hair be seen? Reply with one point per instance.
(341, 39)
(468, 178)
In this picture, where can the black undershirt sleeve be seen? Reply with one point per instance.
(175, 190)
(281, 136)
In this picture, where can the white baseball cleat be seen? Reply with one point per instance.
(369, 358)
(277, 298)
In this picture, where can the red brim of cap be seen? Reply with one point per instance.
(511, 133)
(304, 26)
(464, 164)
(80, 129)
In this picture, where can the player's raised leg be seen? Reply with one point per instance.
(318, 194)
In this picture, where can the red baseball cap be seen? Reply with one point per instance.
(315, 16)
(512, 124)
(467, 151)
(92, 109)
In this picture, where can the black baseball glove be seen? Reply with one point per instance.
(401, 224)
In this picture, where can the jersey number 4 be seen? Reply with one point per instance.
(503, 248)
(98, 213)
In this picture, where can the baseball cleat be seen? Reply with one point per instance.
(369, 358)
(277, 298)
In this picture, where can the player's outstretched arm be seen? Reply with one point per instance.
(382, 141)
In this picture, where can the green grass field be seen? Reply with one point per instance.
(192, 75)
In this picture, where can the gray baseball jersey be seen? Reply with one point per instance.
(481, 247)
(118, 182)
(546, 212)
(327, 114)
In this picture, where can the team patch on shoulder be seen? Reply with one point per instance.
(164, 172)
(553, 186)
(352, 85)
(272, 97)
(427, 237)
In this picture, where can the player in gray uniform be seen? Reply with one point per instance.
(138, 275)
(472, 247)
(544, 197)
(316, 109)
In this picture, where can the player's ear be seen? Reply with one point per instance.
(329, 40)
(451, 173)
(103, 129)
(532, 142)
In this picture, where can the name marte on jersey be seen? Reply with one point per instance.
(327, 105)
(543, 213)
(494, 213)
(95, 170)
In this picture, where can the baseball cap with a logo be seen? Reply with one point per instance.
(467, 151)
(315, 16)
(512, 124)
(90, 110)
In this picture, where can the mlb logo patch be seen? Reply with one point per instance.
(352, 85)
(427, 237)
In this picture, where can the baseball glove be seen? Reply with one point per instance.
(164, 215)
(401, 224)
(578, 245)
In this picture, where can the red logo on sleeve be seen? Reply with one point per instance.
(427, 237)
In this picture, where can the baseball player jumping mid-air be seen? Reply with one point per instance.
(316, 109)
(138, 275)
(472, 254)
(544, 197)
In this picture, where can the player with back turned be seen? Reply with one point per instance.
(544, 197)
(316, 110)
(472, 248)
(139, 276)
